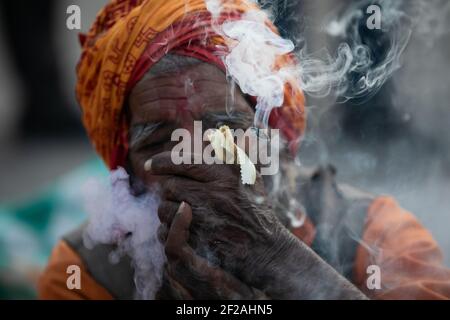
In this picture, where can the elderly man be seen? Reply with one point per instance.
(137, 59)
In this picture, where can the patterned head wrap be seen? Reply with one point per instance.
(129, 36)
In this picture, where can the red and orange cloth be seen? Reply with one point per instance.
(129, 36)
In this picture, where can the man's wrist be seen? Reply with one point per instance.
(266, 260)
(288, 269)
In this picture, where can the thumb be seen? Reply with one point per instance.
(179, 230)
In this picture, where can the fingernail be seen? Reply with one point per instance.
(181, 208)
(148, 165)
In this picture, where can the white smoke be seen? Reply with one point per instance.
(355, 70)
(366, 58)
(351, 73)
(364, 74)
(116, 217)
(250, 62)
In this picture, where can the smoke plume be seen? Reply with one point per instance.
(118, 218)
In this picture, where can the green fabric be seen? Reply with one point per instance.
(29, 230)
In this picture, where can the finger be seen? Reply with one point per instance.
(162, 164)
(205, 281)
(178, 235)
(177, 189)
(172, 289)
(181, 258)
(162, 233)
(167, 210)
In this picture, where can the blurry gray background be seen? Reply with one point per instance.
(397, 143)
(29, 164)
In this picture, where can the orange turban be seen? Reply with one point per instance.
(129, 36)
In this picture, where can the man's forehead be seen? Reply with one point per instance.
(198, 90)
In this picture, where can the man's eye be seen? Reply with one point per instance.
(156, 144)
(153, 146)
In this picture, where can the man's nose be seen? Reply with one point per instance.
(186, 119)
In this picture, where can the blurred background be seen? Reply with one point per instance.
(45, 156)
(395, 142)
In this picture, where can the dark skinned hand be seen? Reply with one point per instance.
(232, 224)
(189, 276)
(234, 235)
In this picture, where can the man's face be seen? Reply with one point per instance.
(162, 103)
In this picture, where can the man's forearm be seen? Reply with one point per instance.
(291, 270)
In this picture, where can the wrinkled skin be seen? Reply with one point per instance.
(229, 220)
(190, 276)
(221, 226)
(222, 238)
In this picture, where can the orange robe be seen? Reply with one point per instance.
(409, 259)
